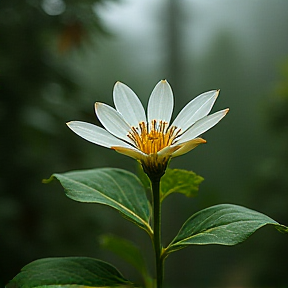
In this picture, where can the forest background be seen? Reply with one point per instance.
(58, 57)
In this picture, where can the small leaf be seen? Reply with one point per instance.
(116, 188)
(223, 224)
(128, 251)
(70, 272)
(180, 181)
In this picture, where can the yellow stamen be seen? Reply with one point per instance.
(159, 136)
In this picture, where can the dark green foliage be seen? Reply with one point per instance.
(116, 188)
(68, 272)
(223, 224)
(180, 181)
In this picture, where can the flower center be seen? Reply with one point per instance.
(159, 136)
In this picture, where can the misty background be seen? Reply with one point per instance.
(57, 58)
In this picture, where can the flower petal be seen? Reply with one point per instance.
(188, 146)
(112, 120)
(195, 110)
(160, 105)
(95, 134)
(168, 151)
(128, 104)
(130, 151)
(202, 125)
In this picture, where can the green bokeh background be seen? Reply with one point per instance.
(57, 58)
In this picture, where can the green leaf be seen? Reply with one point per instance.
(70, 272)
(113, 187)
(180, 181)
(223, 224)
(129, 252)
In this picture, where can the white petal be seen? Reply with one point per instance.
(112, 120)
(128, 104)
(202, 125)
(131, 152)
(168, 151)
(188, 146)
(95, 134)
(160, 105)
(195, 110)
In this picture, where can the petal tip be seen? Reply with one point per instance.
(96, 105)
(203, 141)
(70, 123)
(200, 140)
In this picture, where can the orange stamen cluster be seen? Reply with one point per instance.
(158, 137)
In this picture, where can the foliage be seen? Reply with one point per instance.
(180, 181)
(224, 224)
(116, 188)
(68, 272)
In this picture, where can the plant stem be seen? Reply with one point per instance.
(157, 231)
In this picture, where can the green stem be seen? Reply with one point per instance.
(157, 232)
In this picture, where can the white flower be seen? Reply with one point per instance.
(151, 140)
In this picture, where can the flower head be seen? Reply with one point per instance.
(151, 140)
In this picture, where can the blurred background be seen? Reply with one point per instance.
(58, 57)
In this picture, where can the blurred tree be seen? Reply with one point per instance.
(174, 28)
(38, 91)
(270, 186)
(242, 62)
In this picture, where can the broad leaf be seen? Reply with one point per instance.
(70, 272)
(116, 188)
(224, 224)
(180, 181)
